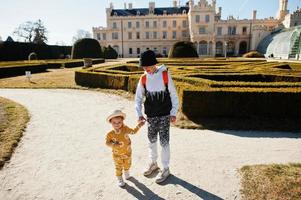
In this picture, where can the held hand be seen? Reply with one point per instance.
(141, 119)
(141, 123)
(173, 119)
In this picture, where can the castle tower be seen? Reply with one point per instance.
(282, 12)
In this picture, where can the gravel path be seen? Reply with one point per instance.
(62, 153)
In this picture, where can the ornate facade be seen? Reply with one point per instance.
(131, 31)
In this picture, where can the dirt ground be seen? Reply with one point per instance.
(62, 154)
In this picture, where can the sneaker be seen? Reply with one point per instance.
(120, 181)
(150, 169)
(163, 175)
(127, 175)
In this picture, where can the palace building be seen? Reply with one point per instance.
(130, 31)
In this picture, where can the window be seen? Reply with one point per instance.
(174, 34)
(130, 51)
(164, 51)
(174, 23)
(114, 25)
(98, 36)
(184, 33)
(138, 50)
(197, 18)
(184, 24)
(138, 35)
(207, 18)
(202, 30)
(115, 36)
(104, 36)
(146, 35)
(244, 30)
(155, 24)
(130, 35)
(231, 30)
(164, 36)
(147, 24)
(219, 30)
(137, 25)
(155, 35)
(129, 24)
(164, 24)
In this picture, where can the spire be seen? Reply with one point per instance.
(282, 12)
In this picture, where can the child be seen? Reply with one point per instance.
(118, 139)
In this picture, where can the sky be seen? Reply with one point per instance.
(63, 18)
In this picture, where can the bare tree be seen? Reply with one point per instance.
(34, 32)
(81, 34)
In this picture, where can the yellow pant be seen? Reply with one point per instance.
(122, 162)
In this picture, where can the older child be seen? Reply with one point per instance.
(118, 139)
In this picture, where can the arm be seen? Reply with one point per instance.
(139, 99)
(173, 96)
(109, 141)
(133, 131)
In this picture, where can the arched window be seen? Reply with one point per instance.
(219, 48)
(243, 47)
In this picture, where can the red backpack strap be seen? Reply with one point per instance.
(165, 77)
(143, 80)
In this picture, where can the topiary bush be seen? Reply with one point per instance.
(110, 53)
(86, 48)
(253, 54)
(32, 56)
(183, 49)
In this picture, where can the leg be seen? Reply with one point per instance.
(152, 134)
(118, 165)
(164, 140)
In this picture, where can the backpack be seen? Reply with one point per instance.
(165, 79)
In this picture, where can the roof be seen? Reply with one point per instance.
(145, 11)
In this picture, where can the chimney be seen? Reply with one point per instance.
(254, 14)
(124, 5)
(220, 10)
(130, 6)
(111, 5)
(175, 4)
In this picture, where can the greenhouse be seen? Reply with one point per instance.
(283, 44)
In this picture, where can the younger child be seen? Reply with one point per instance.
(118, 139)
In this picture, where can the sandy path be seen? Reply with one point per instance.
(62, 153)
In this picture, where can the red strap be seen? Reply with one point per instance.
(143, 80)
(165, 77)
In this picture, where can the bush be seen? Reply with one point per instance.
(86, 48)
(32, 56)
(110, 53)
(183, 49)
(253, 54)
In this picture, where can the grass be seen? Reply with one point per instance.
(13, 120)
(275, 181)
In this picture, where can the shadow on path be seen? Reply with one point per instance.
(146, 192)
(192, 188)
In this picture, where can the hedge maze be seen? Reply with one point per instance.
(218, 93)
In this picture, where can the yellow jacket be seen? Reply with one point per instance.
(120, 141)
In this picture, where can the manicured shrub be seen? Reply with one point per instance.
(183, 49)
(253, 54)
(86, 48)
(110, 53)
(32, 56)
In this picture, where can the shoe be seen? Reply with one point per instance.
(150, 169)
(163, 175)
(121, 183)
(127, 175)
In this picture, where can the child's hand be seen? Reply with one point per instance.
(141, 123)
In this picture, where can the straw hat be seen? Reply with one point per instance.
(116, 113)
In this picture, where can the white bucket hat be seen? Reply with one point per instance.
(116, 113)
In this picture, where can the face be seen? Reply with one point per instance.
(117, 122)
(150, 69)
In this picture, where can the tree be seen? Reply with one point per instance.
(80, 34)
(33, 32)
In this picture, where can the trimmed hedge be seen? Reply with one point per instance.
(183, 49)
(13, 51)
(207, 103)
(86, 48)
(110, 53)
(20, 70)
